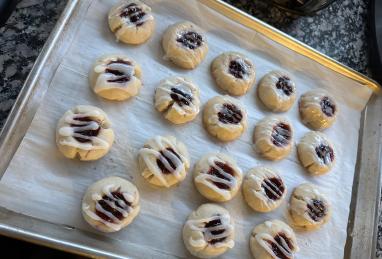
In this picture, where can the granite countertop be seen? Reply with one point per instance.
(339, 31)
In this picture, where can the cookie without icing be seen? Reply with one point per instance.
(131, 21)
(225, 118)
(273, 137)
(273, 239)
(116, 77)
(217, 177)
(318, 109)
(185, 44)
(84, 132)
(263, 189)
(277, 91)
(110, 204)
(233, 72)
(309, 209)
(178, 99)
(316, 153)
(164, 161)
(209, 231)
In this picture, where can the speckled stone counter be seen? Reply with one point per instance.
(338, 31)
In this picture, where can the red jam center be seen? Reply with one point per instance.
(325, 153)
(88, 133)
(134, 13)
(226, 168)
(190, 39)
(285, 85)
(230, 114)
(237, 68)
(328, 107)
(214, 223)
(282, 241)
(273, 187)
(316, 210)
(281, 134)
(118, 196)
(169, 160)
(180, 97)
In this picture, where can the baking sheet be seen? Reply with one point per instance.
(41, 183)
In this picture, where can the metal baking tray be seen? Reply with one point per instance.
(362, 225)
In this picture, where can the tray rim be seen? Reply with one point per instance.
(7, 134)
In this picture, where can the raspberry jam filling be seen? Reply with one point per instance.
(281, 134)
(316, 210)
(134, 13)
(230, 114)
(328, 107)
(214, 223)
(180, 97)
(121, 77)
(285, 85)
(226, 168)
(273, 187)
(238, 68)
(283, 246)
(83, 128)
(325, 153)
(167, 159)
(112, 205)
(190, 39)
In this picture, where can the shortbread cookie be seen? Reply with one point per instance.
(116, 77)
(308, 209)
(273, 239)
(318, 109)
(131, 21)
(273, 137)
(217, 177)
(263, 189)
(316, 153)
(110, 204)
(209, 231)
(277, 91)
(164, 161)
(185, 44)
(225, 118)
(84, 132)
(178, 99)
(233, 72)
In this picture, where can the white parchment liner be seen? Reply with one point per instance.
(41, 183)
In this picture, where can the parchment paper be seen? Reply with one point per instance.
(41, 183)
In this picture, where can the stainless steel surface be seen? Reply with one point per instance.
(366, 188)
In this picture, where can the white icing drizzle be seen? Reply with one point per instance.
(154, 152)
(266, 127)
(310, 142)
(199, 225)
(125, 23)
(262, 239)
(208, 179)
(81, 126)
(245, 65)
(104, 78)
(184, 86)
(107, 190)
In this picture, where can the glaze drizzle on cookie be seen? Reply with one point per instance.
(281, 134)
(230, 114)
(273, 188)
(190, 39)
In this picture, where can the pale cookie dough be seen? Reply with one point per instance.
(233, 72)
(263, 189)
(110, 204)
(309, 209)
(185, 44)
(217, 177)
(277, 91)
(116, 77)
(84, 132)
(178, 99)
(225, 118)
(131, 21)
(318, 109)
(273, 137)
(273, 239)
(316, 153)
(209, 231)
(164, 161)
